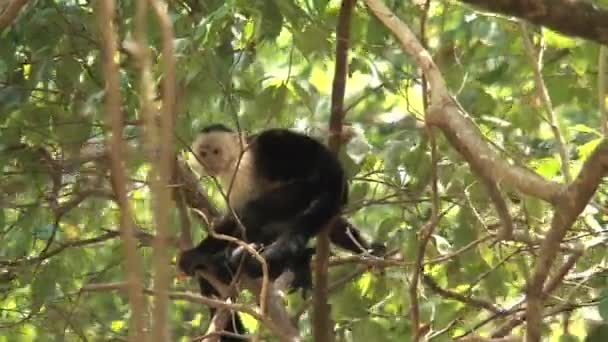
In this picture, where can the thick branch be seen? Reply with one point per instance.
(459, 129)
(506, 231)
(554, 282)
(536, 61)
(119, 178)
(165, 162)
(158, 179)
(323, 326)
(602, 87)
(466, 138)
(574, 18)
(570, 204)
(10, 13)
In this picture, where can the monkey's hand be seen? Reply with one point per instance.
(191, 260)
(241, 257)
(241, 253)
(302, 272)
(279, 256)
(378, 249)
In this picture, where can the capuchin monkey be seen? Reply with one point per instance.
(285, 187)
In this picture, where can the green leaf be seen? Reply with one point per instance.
(358, 148)
(70, 72)
(312, 39)
(358, 192)
(494, 75)
(597, 333)
(477, 101)
(558, 40)
(272, 20)
(309, 98)
(271, 101)
(547, 167)
(44, 231)
(290, 9)
(568, 338)
(369, 330)
(43, 286)
(585, 129)
(349, 302)
(386, 227)
(586, 149)
(320, 5)
(603, 305)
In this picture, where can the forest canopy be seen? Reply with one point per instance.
(473, 134)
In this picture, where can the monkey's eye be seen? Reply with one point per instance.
(216, 150)
(203, 154)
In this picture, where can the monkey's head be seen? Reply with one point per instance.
(218, 148)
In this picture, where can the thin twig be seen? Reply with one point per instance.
(536, 60)
(424, 236)
(602, 85)
(447, 293)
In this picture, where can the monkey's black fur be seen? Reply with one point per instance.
(312, 189)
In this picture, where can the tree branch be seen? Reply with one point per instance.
(474, 302)
(118, 176)
(506, 229)
(554, 282)
(536, 61)
(323, 326)
(164, 163)
(424, 237)
(193, 196)
(10, 13)
(569, 205)
(277, 326)
(153, 143)
(573, 18)
(602, 87)
(459, 129)
(462, 133)
(467, 139)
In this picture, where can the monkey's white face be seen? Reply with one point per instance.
(217, 151)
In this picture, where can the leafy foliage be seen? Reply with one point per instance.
(267, 64)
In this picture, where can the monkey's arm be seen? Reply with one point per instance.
(347, 236)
